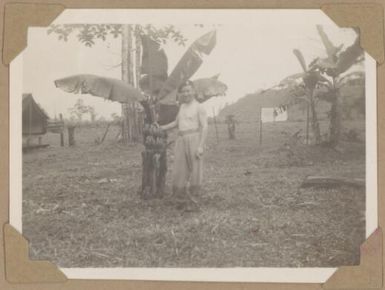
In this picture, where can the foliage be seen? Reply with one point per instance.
(91, 111)
(79, 109)
(310, 80)
(89, 34)
(325, 78)
(337, 62)
(116, 119)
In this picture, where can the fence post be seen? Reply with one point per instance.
(61, 131)
(260, 125)
(215, 124)
(307, 123)
(71, 135)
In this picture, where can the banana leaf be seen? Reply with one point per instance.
(206, 88)
(154, 59)
(107, 88)
(189, 63)
(314, 78)
(154, 66)
(348, 57)
(357, 76)
(292, 79)
(325, 95)
(209, 87)
(151, 85)
(331, 50)
(300, 58)
(310, 78)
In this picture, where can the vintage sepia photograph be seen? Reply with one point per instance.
(208, 139)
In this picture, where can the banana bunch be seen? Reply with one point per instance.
(154, 137)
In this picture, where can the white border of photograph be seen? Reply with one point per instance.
(291, 275)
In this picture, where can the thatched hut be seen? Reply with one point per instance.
(34, 118)
(34, 123)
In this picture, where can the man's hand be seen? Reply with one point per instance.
(199, 152)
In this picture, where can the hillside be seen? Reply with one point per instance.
(246, 109)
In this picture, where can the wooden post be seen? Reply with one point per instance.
(260, 125)
(61, 132)
(230, 121)
(29, 125)
(307, 123)
(135, 135)
(71, 135)
(215, 124)
(105, 133)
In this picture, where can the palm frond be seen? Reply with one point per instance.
(300, 58)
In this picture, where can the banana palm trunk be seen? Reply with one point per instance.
(126, 31)
(335, 117)
(314, 119)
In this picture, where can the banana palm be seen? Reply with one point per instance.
(323, 79)
(156, 93)
(336, 63)
(161, 87)
(310, 80)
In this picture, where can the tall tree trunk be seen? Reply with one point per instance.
(126, 52)
(130, 130)
(132, 81)
(138, 59)
(335, 119)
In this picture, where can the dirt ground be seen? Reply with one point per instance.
(81, 207)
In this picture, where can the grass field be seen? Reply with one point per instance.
(81, 207)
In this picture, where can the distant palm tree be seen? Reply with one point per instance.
(323, 79)
(336, 63)
(311, 78)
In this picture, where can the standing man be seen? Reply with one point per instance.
(191, 122)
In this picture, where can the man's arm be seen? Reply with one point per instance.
(169, 126)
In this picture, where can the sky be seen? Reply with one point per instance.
(253, 51)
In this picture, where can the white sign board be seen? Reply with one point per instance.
(273, 115)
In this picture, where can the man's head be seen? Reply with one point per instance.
(186, 92)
